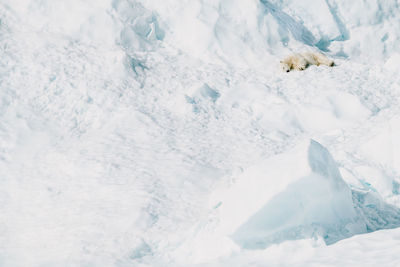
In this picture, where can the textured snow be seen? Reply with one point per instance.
(162, 133)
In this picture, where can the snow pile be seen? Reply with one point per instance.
(290, 196)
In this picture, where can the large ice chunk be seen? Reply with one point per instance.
(294, 195)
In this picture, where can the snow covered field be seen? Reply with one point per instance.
(162, 133)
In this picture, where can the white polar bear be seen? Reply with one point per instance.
(302, 60)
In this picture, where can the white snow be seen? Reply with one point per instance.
(162, 133)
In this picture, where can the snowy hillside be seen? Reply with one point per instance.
(162, 133)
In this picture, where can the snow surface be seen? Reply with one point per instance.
(162, 133)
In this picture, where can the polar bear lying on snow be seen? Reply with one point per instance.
(302, 60)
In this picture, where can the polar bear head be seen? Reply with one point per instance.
(285, 67)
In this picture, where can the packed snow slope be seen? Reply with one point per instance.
(162, 133)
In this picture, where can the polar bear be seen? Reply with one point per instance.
(301, 61)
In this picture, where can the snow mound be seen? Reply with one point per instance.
(308, 198)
